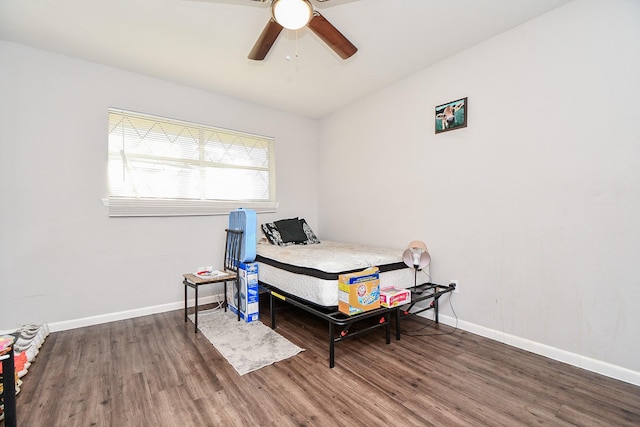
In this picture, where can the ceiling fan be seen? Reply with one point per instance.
(293, 15)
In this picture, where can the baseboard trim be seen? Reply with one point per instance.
(593, 365)
(130, 314)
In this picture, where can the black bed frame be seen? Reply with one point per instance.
(336, 318)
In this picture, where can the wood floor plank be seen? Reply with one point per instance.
(154, 371)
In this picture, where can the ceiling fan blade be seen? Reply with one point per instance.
(331, 36)
(265, 41)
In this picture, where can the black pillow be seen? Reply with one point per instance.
(291, 230)
(274, 237)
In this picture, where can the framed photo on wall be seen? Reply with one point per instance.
(452, 115)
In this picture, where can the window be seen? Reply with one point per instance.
(165, 167)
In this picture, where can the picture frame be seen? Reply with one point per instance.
(451, 115)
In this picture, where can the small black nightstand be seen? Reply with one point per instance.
(424, 292)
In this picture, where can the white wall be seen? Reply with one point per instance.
(61, 257)
(535, 206)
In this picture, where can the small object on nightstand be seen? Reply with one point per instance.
(394, 297)
(210, 274)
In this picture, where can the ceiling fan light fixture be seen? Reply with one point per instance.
(292, 14)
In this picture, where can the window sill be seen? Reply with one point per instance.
(165, 207)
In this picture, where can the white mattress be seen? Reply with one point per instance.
(310, 271)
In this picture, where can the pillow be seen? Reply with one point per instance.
(291, 230)
(272, 234)
(280, 232)
(311, 237)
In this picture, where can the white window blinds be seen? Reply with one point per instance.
(162, 167)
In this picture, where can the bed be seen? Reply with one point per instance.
(296, 267)
(310, 272)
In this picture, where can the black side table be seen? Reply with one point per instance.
(194, 282)
(424, 292)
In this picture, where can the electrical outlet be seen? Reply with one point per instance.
(457, 288)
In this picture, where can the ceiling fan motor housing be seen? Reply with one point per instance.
(292, 14)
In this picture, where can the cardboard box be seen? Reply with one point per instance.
(249, 296)
(393, 297)
(359, 292)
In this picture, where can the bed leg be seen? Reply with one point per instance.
(387, 327)
(332, 345)
(272, 311)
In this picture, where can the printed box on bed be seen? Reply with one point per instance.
(249, 296)
(359, 291)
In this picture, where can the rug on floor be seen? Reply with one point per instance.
(247, 346)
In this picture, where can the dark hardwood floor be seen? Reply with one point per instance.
(154, 371)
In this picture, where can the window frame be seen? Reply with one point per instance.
(136, 206)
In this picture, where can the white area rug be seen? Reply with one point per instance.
(247, 346)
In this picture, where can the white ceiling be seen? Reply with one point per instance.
(204, 43)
